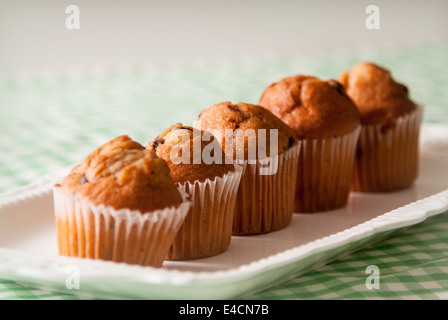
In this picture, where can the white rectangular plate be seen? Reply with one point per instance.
(28, 252)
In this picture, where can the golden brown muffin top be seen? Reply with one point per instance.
(123, 174)
(190, 154)
(243, 124)
(314, 108)
(379, 98)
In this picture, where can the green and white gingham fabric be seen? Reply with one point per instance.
(413, 264)
(49, 121)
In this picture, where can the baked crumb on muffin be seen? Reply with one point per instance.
(312, 107)
(241, 124)
(379, 98)
(191, 154)
(123, 174)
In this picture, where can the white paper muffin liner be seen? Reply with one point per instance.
(207, 230)
(325, 172)
(265, 201)
(98, 232)
(387, 156)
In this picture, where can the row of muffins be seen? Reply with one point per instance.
(132, 203)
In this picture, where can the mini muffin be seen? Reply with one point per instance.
(268, 149)
(199, 167)
(327, 123)
(388, 148)
(119, 204)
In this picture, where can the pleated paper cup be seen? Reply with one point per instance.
(325, 173)
(207, 230)
(387, 158)
(265, 201)
(85, 230)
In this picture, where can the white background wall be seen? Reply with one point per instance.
(33, 36)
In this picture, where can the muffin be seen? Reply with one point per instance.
(119, 204)
(199, 167)
(268, 150)
(388, 148)
(327, 123)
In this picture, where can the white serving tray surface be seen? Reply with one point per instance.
(28, 252)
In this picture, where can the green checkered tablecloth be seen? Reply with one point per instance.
(49, 121)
